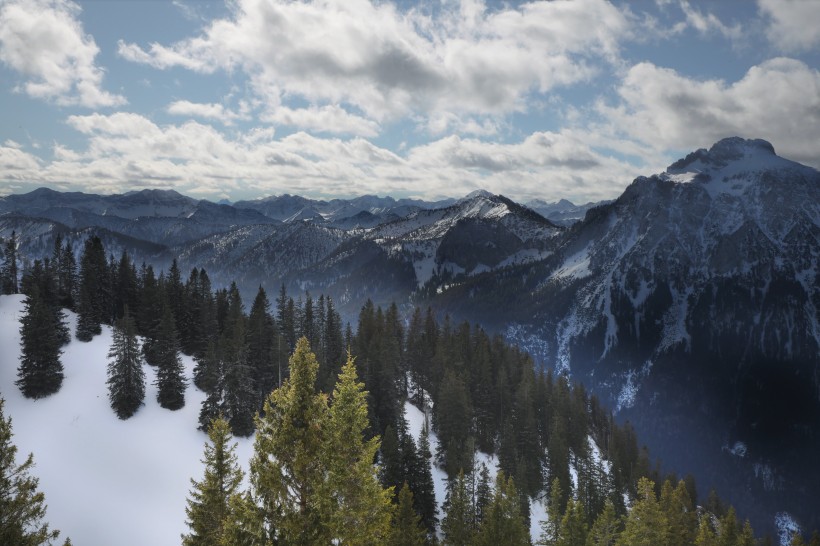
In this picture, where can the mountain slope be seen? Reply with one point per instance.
(691, 304)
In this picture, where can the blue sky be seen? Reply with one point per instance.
(427, 98)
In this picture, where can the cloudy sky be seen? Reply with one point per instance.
(426, 98)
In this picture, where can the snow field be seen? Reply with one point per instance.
(106, 481)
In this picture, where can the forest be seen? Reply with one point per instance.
(333, 459)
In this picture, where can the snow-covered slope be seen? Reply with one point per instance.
(106, 481)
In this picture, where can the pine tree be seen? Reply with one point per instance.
(483, 494)
(457, 527)
(358, 508)
(8, 275)
(503, 523)
(170, 375)
(91, 307)
(40, 372)
(209, 501)
(126, 378)
(646, 524)
(22, 506)
(261, 336)
(607, 526)
(706, 535)
(425, 492)
(286, 471)
(574, 528)
(406, 528)
(551, 527)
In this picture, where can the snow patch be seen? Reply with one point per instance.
(787, 527)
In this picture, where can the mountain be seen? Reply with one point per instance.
(692, 305)
(339, 212)
(562, 212)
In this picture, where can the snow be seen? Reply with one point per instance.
(415, 421)
(106, 481)
(575, 267)
(786, 527)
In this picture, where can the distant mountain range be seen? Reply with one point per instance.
(691, 303)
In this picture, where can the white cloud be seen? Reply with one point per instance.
(386, 63)
(46, 44)
(706, 23)
(778, 100)
(326, 119)
(211, 110)
(794, 25)
(127, 151)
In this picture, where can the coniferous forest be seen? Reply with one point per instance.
(334, 461)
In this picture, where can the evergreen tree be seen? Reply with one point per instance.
(706, 535)
(261, 336)
(286, 471)
(22, 506)
(209, 500)
(551, 527)
(646, 524)
(8, 274)
(503, 523)
(358, 508)
(425, 493)
(209, 376)
(457, 527)
(170, 374)
(406, 528)
(91, 307)
(40, 372)
(574, 528)
(126, 378)
(483, 494)
(607, 527)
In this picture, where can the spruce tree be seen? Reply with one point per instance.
(209, 503)
(22, 506)
(126, 378)
(358, 508)
(425, 492)
(458, 527)
(646, 524)
(91, 307)
(261, 336)
(170, 374)
(8, 274)
(574, 529)
(607, 526)
(503, 523)
(406, 528)
(40, 372)
(286, 471)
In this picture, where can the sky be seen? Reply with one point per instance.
(422, 98)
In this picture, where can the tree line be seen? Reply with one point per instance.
(553, 441)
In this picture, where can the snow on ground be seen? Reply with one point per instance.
(415, 421)
(106, 481)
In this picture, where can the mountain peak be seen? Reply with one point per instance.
(474, 194)
(722, 153)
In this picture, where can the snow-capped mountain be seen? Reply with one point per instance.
(339, 212)
(692, 305)
(562, 212)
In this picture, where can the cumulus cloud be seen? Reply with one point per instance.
(386, 63)
(127, 151)
(44, 42)
(793, 25)
(778, 100)
(330, 118)
(209, 110)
